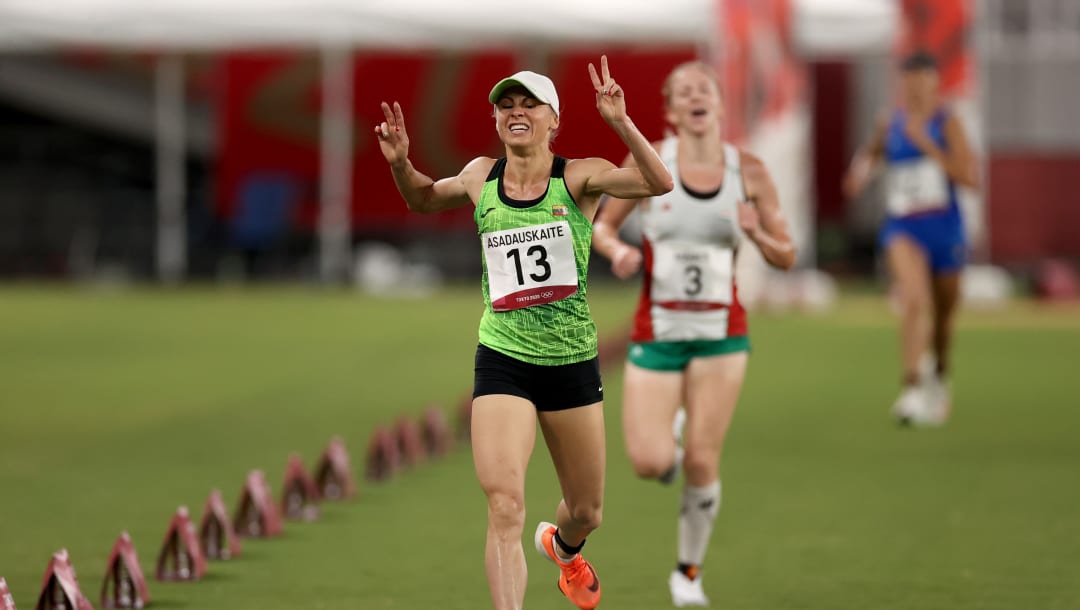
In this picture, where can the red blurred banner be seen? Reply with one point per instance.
(269, 124)
(761, 74)
(943, 28)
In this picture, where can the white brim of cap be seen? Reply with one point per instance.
(535, 91)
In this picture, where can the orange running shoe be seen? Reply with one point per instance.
(577, 579)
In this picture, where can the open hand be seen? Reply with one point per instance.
(393, 140)
(610, 100)
(857, 177)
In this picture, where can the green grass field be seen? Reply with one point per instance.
(116, 407)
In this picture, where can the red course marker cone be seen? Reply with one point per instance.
(383, 455)
(181, 557)
(299, 495)
(410, 444)
(216, 532)
(7, 602)
(333, 476)
(124, 586)
(256, 514)
(435, 432)
(60, 587)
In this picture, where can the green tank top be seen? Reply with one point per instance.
(535, 256)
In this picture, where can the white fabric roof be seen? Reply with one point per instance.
(838, 27)
(198, 24)
(820, 25)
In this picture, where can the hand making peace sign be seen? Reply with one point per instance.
(393, 141)
(610, 100)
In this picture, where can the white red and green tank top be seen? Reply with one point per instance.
(689, 240)
(535, 255)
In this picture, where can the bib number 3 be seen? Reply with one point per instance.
(689, 274)
(693, 280)
(530, 265)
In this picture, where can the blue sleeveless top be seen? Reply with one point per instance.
(901, 154)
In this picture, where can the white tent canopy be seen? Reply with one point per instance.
(821, 26)
(839, 27)
(209, 24)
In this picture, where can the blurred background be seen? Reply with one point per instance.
(179, 141)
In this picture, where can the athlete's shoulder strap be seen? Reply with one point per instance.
(669, 151)
(733, 170)
(558, 167)
(497, 169)
(558, 170)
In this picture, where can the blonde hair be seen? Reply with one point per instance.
(696, 64)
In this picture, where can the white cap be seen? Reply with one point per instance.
(538, 85)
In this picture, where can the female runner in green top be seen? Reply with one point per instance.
(537, 352)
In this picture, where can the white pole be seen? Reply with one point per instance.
(169, 150)
(335, 149)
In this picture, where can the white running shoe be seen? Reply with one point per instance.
(686, 592)
(938, 402)
(673, 473)
(678, 425)
(911, 404)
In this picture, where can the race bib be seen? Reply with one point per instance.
(530, 265)
(916, 186)
(685, 275)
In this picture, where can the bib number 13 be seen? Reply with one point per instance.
(531, 265)
(539, 262)
(691, 273)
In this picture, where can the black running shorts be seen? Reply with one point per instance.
(550, 388)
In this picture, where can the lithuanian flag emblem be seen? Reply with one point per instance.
(559, 210)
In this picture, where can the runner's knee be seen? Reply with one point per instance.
(649, 463)
(914, 301)
(587, 515)
(506, 511)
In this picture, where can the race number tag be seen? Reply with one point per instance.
(530, 265)
(691, 274)
(916, 186)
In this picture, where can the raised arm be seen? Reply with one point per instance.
(648, 176)
(761, 218)
(865, 160)
(421, 193)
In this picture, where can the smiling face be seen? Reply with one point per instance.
(693, 100)
(521, 120)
